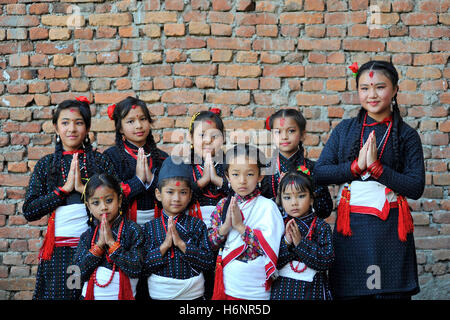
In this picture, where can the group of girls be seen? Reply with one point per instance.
(140, 224)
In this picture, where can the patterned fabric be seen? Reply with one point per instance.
(374, 242)
(126, 171)
(323, 204)
(317, 254)
(197, 258)
(211, 189)
(128, 257)
(41, 200)
(253, 250)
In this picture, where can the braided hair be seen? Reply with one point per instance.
(91, 166)
(294, 114)
(391, 73)
(120, 112)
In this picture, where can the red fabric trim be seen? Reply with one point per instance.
(66, 241)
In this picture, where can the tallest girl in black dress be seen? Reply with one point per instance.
(377, 160)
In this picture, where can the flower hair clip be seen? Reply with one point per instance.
(215, 111)
(304, 169)
(83, 99)
(354, 67)
(111, 109)
(268, 123)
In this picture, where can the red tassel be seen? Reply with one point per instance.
(405, 221)
(132, 212)
(157, 211)
(219, 287)
(125, 291)
(343, 220)
(90, 288)
(46, 251)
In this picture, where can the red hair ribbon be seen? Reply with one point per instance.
(216, 111)
(354, 67)
(111, 109)
(268, 123)
(83, 99)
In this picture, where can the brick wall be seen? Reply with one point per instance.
(247, 57)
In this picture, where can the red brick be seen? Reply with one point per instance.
(242, 71)
(301, 18)
(273, 45)
(363, 45)
(185, 43)
(256, 18)
(105, 71)
(180, 96)
(316, 99)
(319, 44)
(418, 18)
(284, 71)
(241, 98)
(227, 43)
(195, 69)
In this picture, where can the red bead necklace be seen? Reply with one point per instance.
(309, 236)
(388, 122)
(107, 258)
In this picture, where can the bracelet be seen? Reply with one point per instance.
(376, 169)
(355, 169)
(114, 247)
(97, 251)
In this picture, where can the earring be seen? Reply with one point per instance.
(86, 139)
(58, 139)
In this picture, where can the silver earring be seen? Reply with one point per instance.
(58, 140)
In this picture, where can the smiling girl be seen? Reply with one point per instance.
(288, 129)
(55, 189)
(109, 253)
(377, 160)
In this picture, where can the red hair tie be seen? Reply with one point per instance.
(216, 111)
(354, 67)
(111, 109)
(83, 99)
(268, 123)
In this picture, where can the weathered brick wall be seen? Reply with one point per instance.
(246, 57)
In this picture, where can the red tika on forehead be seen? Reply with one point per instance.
(133, 106)
(177, 183)
(208, 121)
(73, 110)
(282, 120)
(371, 74)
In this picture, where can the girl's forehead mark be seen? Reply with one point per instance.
(133, 106)
(371, 74)
(177, 183)
(73, 109)
(282, 120)
(208, 121)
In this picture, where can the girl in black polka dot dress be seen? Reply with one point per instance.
(306, 250)
(377, 160)
(55, 190)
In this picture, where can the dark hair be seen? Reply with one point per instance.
(85, 112)
(391, 73)
(248, 151)
(199, 117)
(301, 182)
(120, 112)
(296, 115)
(105, 180)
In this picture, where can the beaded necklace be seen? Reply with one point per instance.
(309, 236)
(107, 258)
